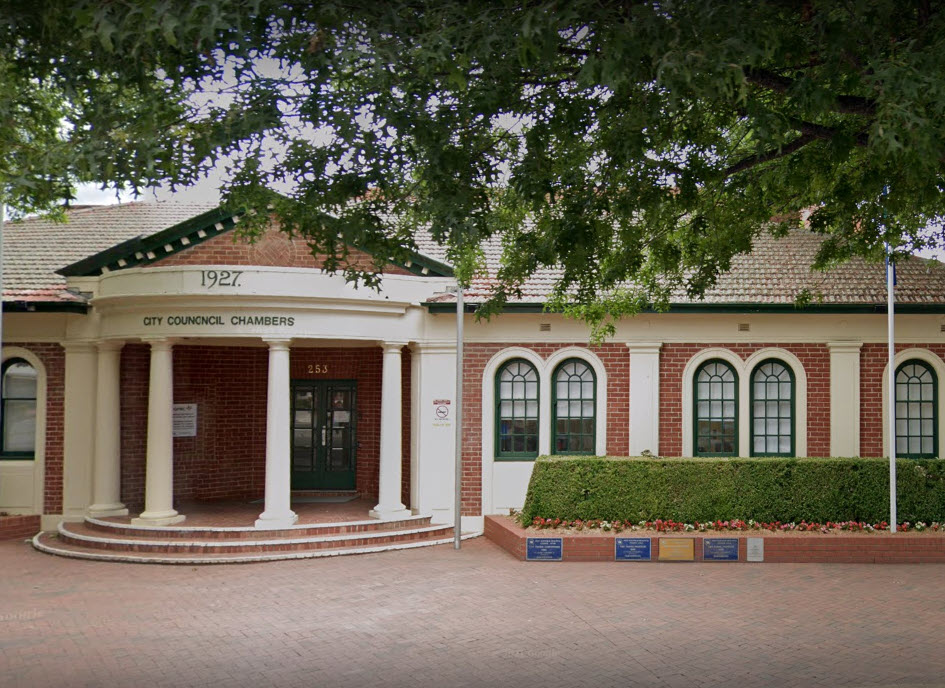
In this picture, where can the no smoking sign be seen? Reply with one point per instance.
(441, 407)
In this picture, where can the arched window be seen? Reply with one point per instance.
(772, 409)
(916, 410)
(18, 394)
(516, 414)
(575, 408)
(716, 409)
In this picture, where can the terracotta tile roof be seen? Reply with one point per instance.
(34, 248)
(775, 272)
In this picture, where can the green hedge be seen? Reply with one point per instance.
(763, 489)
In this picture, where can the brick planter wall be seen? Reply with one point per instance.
(18, 527)
(901, 548)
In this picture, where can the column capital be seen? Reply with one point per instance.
(448, 347)
(645, 347)
(391, 347)
(159, 343)
(845, 347)
(110, 344)
(278, 343)
(80, 347)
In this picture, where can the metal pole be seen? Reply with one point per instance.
(3, 212)
(458, 420)
(890, 315)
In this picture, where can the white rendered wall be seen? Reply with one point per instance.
(644, 397)
(78, 444)
(844, 398)
(432, 437)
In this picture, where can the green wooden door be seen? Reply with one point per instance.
(324, 439)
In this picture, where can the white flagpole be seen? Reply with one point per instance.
(458, 420)
(890, 315)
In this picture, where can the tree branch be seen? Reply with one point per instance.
(845, 104)
(774, 154)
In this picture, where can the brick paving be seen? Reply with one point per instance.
(435, 617)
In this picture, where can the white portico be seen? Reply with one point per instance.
(290, 313)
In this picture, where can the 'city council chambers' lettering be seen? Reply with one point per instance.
(218, 320)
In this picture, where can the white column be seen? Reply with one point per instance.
(159, 475)
(277, 513)
(844, 398)
(78, 429)
(106, 482)
(644, 397)
(389, 506)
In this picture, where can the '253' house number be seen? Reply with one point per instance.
(317, 368)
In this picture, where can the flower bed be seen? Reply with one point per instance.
(791, 545)
(734, 525)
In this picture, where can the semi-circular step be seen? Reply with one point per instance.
(79, 534)
(49, 543)
(251, 532)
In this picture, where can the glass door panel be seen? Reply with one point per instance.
(324, 444)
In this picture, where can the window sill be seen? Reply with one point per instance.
(17, 457)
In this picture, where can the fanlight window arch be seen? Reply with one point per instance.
(517, 413)
(18, 392)
(575, 408)
(916, 410)
(772, 409)
(716, 409)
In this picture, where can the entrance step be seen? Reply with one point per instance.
(93, 540)
(325, 493)
(114, 528)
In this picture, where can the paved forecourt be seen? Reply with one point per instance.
(436, 617)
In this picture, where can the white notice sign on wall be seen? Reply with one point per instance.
(185, 420)
(756, 549)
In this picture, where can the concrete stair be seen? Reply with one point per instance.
(110, 541)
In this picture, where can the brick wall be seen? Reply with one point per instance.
(53, 358)
(616, 361)
(226, 460)
(814, 357)
(873, 359)
(272, 249)
(19, 527)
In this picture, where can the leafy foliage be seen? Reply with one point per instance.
(763, 489)
(638, 146)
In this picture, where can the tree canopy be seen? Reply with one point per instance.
(638, 145)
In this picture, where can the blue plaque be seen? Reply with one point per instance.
(543, 549)
(720, 549)
(631, 549)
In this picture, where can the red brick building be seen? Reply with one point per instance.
(152, 357)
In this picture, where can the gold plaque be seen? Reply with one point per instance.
(676, 549)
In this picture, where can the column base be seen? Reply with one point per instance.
(100, 510)
(276, 521)
(158, 518)
(389, 513)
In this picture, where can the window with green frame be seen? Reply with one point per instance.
(916, 411)
(516, 413)
(18, 395)
(575, 408)
(772, 409)
(716, 409)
